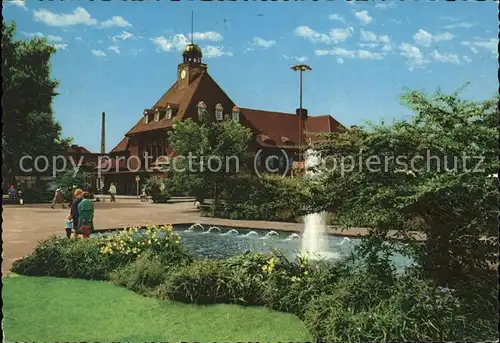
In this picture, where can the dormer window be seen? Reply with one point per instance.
(236, 114)
(157, 115)
(146, 117)
(218, 112)
(201, 109)
(168, 113)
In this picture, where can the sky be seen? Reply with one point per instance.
(120, 57)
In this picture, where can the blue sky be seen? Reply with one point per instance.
(120, 57)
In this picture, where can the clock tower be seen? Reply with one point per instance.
(191, 67)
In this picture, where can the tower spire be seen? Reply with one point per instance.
(192, 26)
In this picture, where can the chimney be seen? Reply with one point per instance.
(103, 133)
(304, 112)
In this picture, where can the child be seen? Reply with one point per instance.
(68, 225)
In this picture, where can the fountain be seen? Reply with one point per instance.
(231, 232)
(212, 228)
(314, 240)
(270, 234)
(194, 226)
(251, 234)
(345, 239)
(293, 236)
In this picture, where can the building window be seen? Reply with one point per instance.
(169, 113)
(146, 118)
(157, 115)
(282, 162)
(201, 109)
(218, 112)
(290, 161)
(259, 161)
(236, 116)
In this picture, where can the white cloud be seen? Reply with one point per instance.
(300, 59)
(465, 25)
(262, 43)
(114, 48)
(79, 16)
(414, 57)
(50, 38)
(385, 5)
(491, 45)
(467, 59)
(79, 38)
(336, 17)
(60, 46)
(340, 35)
(335, 35)
(445, 58)
(19, 3)
(210, 36)
(124, 35)
(174, 43)
(211, 51)
(340, 61)
(115, 21)
(368, 45)
(98, 53)
(395, 21)
(368, 36)
(364, 17)
(424, 38)
(361, 54)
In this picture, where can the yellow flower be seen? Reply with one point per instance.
(149, 241)
(306, 273)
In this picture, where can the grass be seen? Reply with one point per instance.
(54, 309)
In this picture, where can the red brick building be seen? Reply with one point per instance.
(193, 91)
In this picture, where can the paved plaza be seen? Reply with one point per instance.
(24, 226)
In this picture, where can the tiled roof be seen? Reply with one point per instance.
(282, 129)
(122, 146)
(76, 149)
(203, 88)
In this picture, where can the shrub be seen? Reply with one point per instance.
(37, 195)
(156, 188)
(199, 282)
(64, 257)
(295, 283)
(143, 275)
(411, 309)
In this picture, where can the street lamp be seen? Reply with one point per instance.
(300, 68)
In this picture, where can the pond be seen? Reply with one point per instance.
(224, 241)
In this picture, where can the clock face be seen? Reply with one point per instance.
(183, 74)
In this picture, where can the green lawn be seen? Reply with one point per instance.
(53, 309)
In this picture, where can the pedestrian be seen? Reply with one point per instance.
(74, 210)
(68, 225)
(144, 195)
(58, 198)
(20, 197)
(112, 192)
(86, 216)
(12, 193)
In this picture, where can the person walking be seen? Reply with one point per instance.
(12, 193)
(112, 192)
(75, 215)
(58, 198)
(86, 215)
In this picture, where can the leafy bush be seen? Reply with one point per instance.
(37, 195)
(64, 257)
(294, 284)
(156, 188)
(412, 309)
(143, 275)
(199, 282)
(95, 258)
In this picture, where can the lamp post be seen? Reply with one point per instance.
(300, 68)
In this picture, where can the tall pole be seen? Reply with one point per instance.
(192, 27)
(300, 68)
(103, 133)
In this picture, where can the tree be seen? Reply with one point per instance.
(29, 127)
(453, 205)
(71, 178)
(209, 151)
